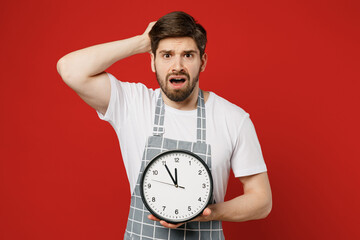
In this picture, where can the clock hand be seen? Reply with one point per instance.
(167, 183)
(176, 182)
(172, 178)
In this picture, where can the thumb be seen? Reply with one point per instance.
(207, 212)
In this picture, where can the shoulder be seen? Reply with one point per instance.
(127, 100)
(226, 118)
(223, 107)
(127, 85)
(130, 90)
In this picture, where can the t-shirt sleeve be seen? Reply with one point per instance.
(124, 97)
(108, 116)
(247, 158)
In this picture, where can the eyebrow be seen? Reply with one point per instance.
(171, 51)
(190, 52)
(165, 51)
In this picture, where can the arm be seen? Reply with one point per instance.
(255, 203)
(83, 70)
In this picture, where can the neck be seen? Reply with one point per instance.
(189, 103)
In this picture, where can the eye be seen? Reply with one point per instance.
(188, 55)
(166, 55)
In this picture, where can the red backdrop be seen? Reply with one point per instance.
(293, 65)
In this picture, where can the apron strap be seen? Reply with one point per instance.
(201, 118)
(159, 129)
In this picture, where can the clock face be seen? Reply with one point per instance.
(176, 186)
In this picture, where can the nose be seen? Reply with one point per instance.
(177, 65)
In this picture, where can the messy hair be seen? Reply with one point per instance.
(178, 24)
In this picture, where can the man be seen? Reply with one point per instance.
(177, 44)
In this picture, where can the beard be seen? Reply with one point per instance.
(178, 95)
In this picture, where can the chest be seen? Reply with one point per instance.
(184, 127)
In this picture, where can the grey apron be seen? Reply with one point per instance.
(138, 225)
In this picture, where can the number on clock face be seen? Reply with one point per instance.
(181, 188)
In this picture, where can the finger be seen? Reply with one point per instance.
(149, 27)
(205, 216)
(152, 23)
(162, 222)
(169, 225)
(152, 217)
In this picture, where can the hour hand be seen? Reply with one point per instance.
(172, 178)
(176, 180)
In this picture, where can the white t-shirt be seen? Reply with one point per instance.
(229, 131)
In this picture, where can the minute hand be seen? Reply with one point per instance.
(172, 178)
(167, 183)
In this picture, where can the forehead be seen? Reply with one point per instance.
(177, 44)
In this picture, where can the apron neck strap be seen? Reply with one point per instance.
(159, 129)
(201, 118)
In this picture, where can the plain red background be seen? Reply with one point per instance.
(293, 65)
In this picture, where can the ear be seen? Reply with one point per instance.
(203, 62)
(152, 62)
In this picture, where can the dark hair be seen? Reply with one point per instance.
(178, 24)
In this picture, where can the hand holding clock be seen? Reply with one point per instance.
(204, 217)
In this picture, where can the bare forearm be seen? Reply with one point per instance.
(249, 206)
(243, 208)
(255, 203)
(93, 60)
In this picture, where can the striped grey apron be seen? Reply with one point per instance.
(138, 225)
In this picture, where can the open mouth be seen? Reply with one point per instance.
(177, 80)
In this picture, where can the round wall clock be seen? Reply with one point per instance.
(176, 186)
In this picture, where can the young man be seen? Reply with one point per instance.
(188, 114)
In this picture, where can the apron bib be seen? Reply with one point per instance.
(138, 225)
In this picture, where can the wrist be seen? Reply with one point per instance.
(143, 43)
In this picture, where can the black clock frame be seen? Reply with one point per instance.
(152, 161)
